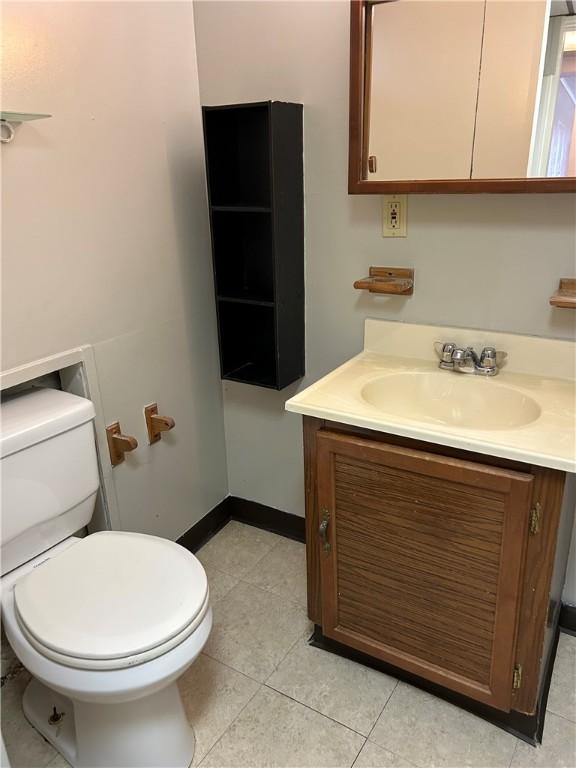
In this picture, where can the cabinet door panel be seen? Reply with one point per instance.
(422, 103)
(424, 561)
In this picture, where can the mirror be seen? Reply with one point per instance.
(462, 96)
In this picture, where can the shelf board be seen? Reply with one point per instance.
(21, 117)
(565, 296)
(242, 208)
(253, 302)
(253, 373)
(233, 107)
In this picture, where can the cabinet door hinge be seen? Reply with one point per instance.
(517, 678)
(535, 518)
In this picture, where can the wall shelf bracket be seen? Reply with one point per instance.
(8, 119)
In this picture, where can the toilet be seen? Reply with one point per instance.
(106, 623)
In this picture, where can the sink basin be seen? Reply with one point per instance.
(451, 399)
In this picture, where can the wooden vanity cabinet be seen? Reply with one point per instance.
(435, 561)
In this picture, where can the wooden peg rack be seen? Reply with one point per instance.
(565, 296)
(390, 280)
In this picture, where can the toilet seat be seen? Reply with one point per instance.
(112, 601)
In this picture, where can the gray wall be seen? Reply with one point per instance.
(487, 261)
(105, 234)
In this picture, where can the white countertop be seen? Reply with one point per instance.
(536, 368)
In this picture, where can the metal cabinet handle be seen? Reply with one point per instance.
(323, 529)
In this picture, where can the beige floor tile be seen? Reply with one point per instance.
(24, 745)
(282, 571)
(276, 731)
(219, 582)
(237, 548)
(430, 732)
(253, 630)
(558, 748)
(58, 762)
(350, 693)
(213, 696)
(373, 756)
(562, 696)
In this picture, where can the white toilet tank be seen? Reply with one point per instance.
(49, 471)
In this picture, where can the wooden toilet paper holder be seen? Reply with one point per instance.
(156, 424)
(119, 444)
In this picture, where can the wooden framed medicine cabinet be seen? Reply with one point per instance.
(441, 117)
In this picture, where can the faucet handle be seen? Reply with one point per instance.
(444, 350)
(488, 357)
(492, 358)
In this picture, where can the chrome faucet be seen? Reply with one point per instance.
(465, 360)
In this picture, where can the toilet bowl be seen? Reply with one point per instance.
(96, 700)
(106, 623)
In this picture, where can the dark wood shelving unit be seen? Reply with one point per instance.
(254, 159)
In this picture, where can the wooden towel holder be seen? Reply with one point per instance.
(391, 280)
(565, 296)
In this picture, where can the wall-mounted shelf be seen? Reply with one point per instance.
(21, 117)
(242, 208)
(565, 296)
(255, 185)
(398, 281)
(7, 118)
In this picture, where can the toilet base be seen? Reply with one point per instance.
(151, 732)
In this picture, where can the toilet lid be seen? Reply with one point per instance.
(112, 595)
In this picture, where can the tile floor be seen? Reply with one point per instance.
(261, 696)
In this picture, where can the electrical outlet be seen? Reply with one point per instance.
(395, 214)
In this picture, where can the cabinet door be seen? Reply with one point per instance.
(421, 561)
(512, 48)
(422, 103)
